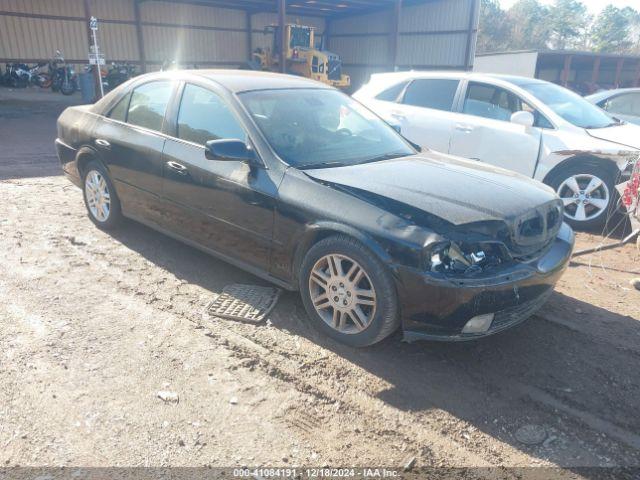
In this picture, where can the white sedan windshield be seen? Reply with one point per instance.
(570, 106)
(313, 128)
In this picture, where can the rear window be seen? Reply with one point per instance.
(391, 94)
(432, 93)
(204, 116)
(148, 105)
(119, 112)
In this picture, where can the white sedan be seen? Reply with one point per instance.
(532, 127)
(623, 103)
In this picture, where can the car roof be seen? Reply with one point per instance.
(614, 91)
(410, 74)
(241, 80)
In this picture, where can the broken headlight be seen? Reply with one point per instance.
(460, 258)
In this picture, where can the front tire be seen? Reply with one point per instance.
(69, 87)
(588, 193)
(348, 293)
(100, 197)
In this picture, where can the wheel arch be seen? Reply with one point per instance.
(590, 160)
(85, 155)
(319, 231)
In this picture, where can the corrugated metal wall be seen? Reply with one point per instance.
(204, 36)
(33, 29)
(434, 34)
(24, 37)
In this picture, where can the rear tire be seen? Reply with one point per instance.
(588, 193)
(348, 293)
(100, 197)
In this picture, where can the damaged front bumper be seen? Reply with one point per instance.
(438, 308)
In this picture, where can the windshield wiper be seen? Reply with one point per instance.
(311, 166)
(596, 127)
(379, 158)
(386, 156)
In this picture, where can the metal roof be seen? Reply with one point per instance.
(322, 8)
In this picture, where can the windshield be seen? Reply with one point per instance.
(300, 36)
(570, 106)
(314, 128)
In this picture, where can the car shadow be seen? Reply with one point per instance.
(547, 371)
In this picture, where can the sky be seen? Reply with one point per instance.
(594, 6)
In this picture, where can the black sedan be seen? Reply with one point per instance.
(301, 185)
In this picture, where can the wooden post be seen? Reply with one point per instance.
(595, 73)
(140, 36)
(564, 78)
(394, 34)
(619, 66)
(282, 21)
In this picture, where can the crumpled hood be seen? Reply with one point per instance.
(627, 135)
(456, 190)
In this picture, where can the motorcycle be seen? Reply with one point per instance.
(63, 77)
(20, 75)
(118, 74)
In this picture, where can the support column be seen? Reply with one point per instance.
(326, 35)
(636, 81)
(468, 58)
(564, 78)
(394, 35)
(140, 36)
(249, 36)
(282, 20)
(595, 73)
(619, 67)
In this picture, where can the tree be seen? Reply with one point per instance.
(568, 21)
(493, 32)
(611, 31)
(634, 30)
(529, 24)
(529, 21)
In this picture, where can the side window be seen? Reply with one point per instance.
(391, 94)
(540, 120)
(488, 101)
(148, 105)
(431, 93)
(119, 112)
(204, 116)
(627, 104)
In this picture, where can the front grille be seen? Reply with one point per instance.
(511, 316)
(534, 231)
(335, 69)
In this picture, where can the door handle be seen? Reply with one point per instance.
(177, 167)
(464, 128)
(103, 143)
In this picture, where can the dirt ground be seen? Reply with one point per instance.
(93, 325)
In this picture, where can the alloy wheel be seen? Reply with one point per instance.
(585, 197)
(342, 293)
(98, 196)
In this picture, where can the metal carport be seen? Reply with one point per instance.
(370, 35)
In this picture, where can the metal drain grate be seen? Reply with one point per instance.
(246, 303)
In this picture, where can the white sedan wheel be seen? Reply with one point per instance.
(585, 197)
